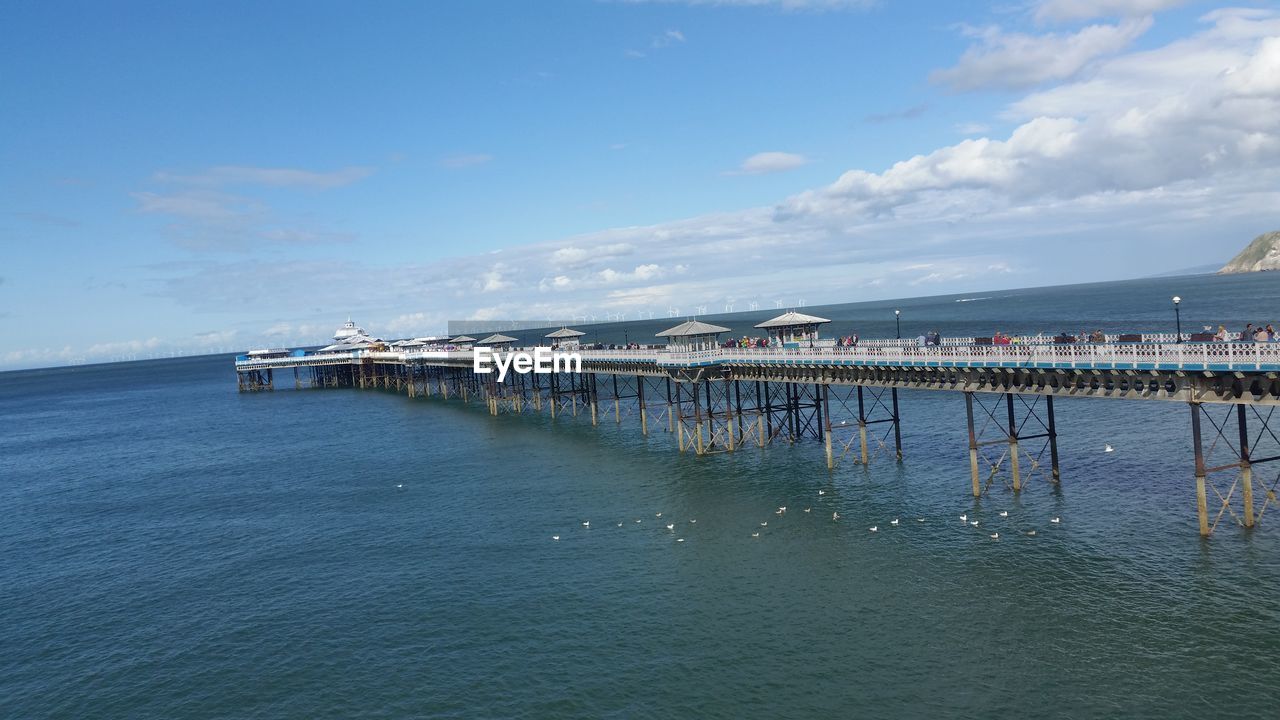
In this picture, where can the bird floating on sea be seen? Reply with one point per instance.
(1056, 520)
(964, 517)
(671, 526)
(973, 523)
(874, 528)
(835, 516)
(1108, 448)
(755, 534)
(1004, 513)
(995, 536)
(822, 492)
(764, 524)
(893, 521)
(807, 509)
(1031, 533)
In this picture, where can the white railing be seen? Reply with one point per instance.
(1167, 355)
(1193, 356)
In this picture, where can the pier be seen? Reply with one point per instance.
(713, 399)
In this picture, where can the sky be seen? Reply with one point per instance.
(181, 177)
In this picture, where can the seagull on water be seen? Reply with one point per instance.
(874, 528)
(619, 524)
(692, 520)
(1031, 533)
(657, 514)
(973, 523)
(995, 536)
(555, 537)
(1004, 513)
(586, 524)
(964, 517)
(671, 526)
(679, 539)
(399, 485)
(764, 524)
(822, 492)
(637, 522)
(835, 516)
(919, 519)
(1056, 520)
(807, 509)
(755, 534)
(782, 508)
(893, 521)
(1108, 448)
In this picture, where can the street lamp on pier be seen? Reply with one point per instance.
(1177, 314)
(897, 319)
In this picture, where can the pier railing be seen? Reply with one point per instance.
(1225, 356)
(1214, 356)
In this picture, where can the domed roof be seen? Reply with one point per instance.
(348, 330)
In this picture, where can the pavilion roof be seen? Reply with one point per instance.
(565, 333)
(792, 318)
(692, 328)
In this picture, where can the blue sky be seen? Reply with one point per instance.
(188, 177)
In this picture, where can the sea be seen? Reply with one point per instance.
(170, 548)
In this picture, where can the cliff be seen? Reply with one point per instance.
(1261, 254)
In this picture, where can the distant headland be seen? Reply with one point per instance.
(1261, 254)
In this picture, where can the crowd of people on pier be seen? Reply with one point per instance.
(745, 342)
(1259, 333)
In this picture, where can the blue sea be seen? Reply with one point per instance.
(170, 548)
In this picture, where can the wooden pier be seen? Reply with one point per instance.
(713, 399)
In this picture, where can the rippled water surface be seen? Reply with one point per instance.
(174, 549)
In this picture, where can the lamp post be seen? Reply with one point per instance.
(1177, 314)
(897, 319)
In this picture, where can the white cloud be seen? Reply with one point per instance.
(770, 162)
(415, 324)
(1018, 60)
(197, 205)
(494, 279)
(202, 219)
(273, 177)
(972, 128)
(1075, 10)
(458, 162)
(667, 39)
(571, 256)
(646, 272)
(1187, 112)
